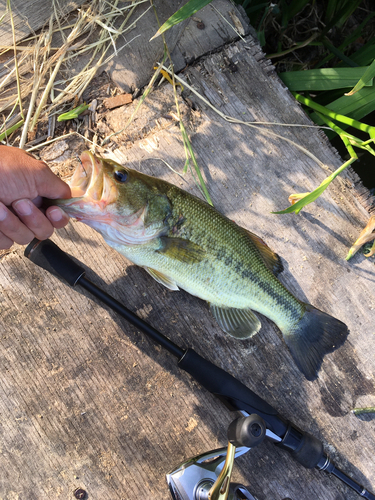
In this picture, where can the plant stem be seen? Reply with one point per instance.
(11, 129)
(335, 116)
(359, 411)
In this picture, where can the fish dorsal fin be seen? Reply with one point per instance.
(182, 250)
(239, 323)
(270, 258)
(162, 278)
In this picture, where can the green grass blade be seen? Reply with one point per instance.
(365, 79)
(347, 10)
(330, 10)
(184, 13)
(360, 411)
(73, 113)
(254, 8)
(348, 41)
(290, 9)
(366, 54)
(331, 112)
(338, 53)
(341, 133)
(340, 16)
(10, 130)
(324, 79)
(297, 207)
(355, 106)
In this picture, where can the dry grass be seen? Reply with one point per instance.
(38, 75)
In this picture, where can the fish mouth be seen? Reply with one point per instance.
(90, 187)
(87, 179)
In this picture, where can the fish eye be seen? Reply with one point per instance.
(120, 176)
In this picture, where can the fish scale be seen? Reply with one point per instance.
(185, 243)
(236, 262)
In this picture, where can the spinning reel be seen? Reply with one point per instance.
(207, 476)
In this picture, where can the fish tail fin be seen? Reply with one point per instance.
(315, 335)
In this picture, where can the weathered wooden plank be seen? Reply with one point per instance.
(87, 401)
(211, 28)
(29, 16)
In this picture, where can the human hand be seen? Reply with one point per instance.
(23, 182)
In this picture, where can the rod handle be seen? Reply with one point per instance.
(49, 256)
(233, 393)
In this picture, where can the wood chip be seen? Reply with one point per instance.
(118, 100)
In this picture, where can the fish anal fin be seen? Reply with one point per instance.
(162, 278)
(270, 258)
(238, 323)
(182, 250)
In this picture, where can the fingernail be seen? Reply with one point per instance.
(56, 214)
(23, 207)
(3, 212)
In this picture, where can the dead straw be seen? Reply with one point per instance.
(250, 124)
(41, 65)
(15, 59)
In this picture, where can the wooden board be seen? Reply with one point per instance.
(209, 29)
(87, 401)
(29, 16)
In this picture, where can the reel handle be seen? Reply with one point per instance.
(247, 431)
(244, 431)
(220, 488)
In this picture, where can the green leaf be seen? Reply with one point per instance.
(365, 414)
(290, 9)
(255, 8)
(348, 41)
(262, 38)
(345, 118)
(366, 54)
(347, 60)
(309, 198)
(355, 106)
(365, 79)
(10, 130)
(339, 11)
(324, 79)
(184, 13)
(73, 113)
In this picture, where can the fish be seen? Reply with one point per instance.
(185, 243)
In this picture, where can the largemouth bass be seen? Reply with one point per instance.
(185, 243)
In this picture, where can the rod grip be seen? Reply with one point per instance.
(233, 393)
(49, 256)
(304, 448)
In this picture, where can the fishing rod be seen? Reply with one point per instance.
(259, 421)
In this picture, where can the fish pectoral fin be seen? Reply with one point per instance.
(270, 258)
(162, 278)
(239, 323)
(182, 250)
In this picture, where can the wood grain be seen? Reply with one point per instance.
(87, 401)
(29, 16)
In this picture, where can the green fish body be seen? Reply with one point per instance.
(185, 243)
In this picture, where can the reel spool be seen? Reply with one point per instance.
(207, 476)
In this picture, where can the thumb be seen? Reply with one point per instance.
(50, 186)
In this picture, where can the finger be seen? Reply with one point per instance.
(33, 218)
(50, 186)
(57, 217)
(12, 228)
(5, 242)
(38, 201)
